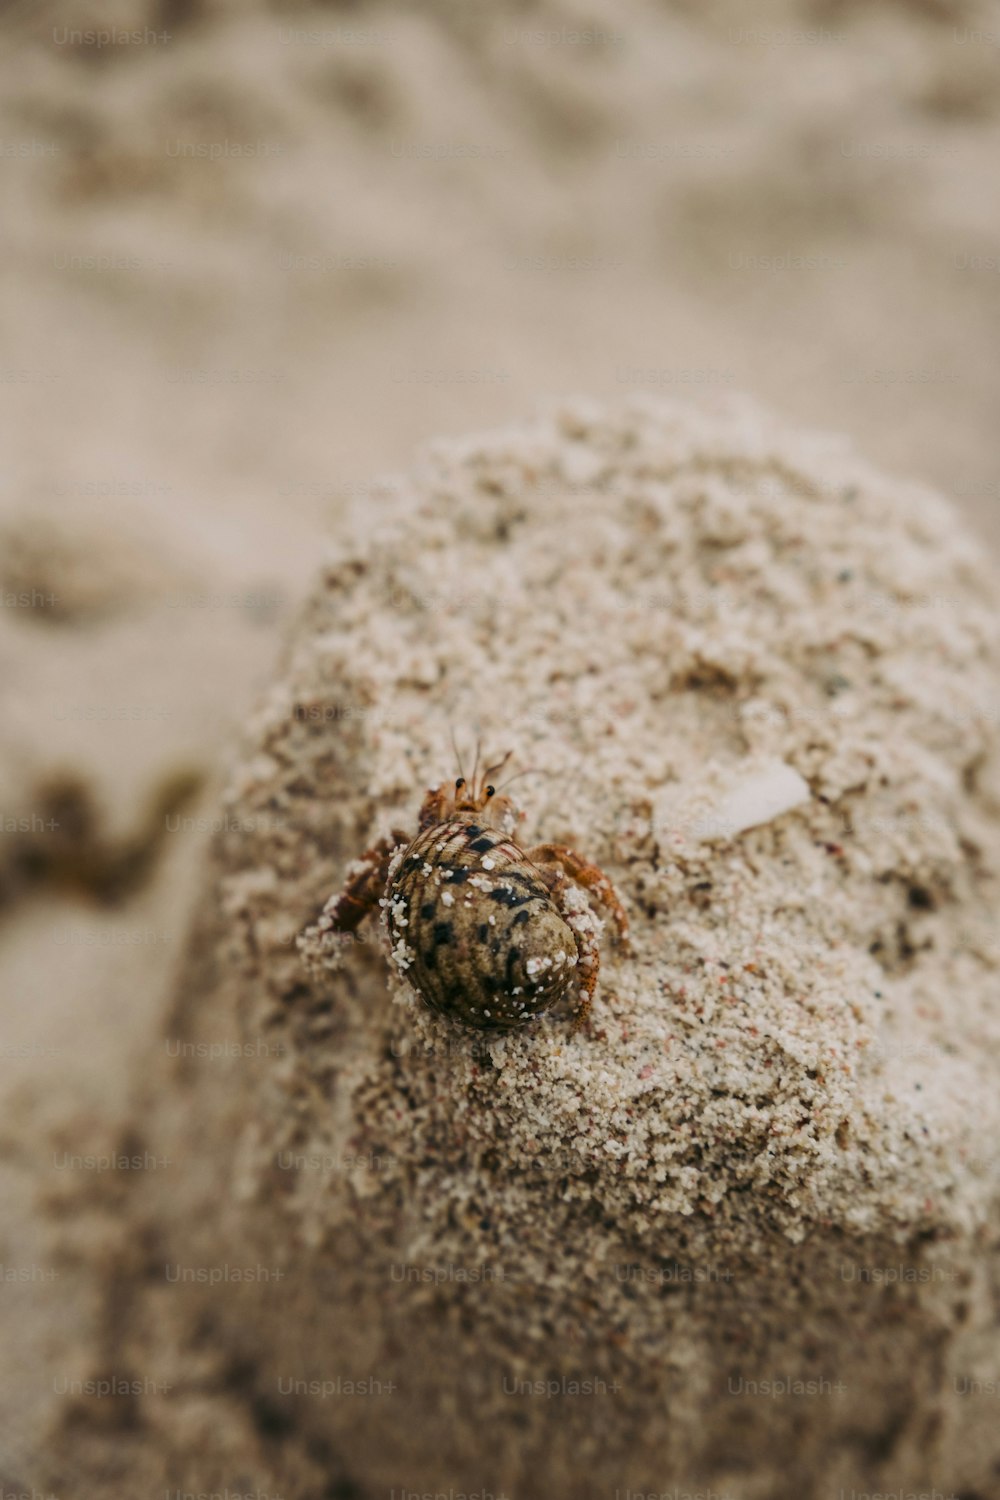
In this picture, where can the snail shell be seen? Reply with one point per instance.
(472, 926)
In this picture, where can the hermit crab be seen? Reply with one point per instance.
(482, 929)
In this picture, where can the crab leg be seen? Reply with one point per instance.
(589, 875)
(366, 884)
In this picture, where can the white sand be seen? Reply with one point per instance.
(187, 427)
(792, 1075)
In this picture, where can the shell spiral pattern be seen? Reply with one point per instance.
(472, 925)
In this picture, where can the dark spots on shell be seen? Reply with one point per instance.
(465, 951)
(507, 897)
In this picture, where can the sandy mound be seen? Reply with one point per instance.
(759, 676)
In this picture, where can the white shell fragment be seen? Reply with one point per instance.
(765, 794)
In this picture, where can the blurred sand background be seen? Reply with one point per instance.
(255, 253)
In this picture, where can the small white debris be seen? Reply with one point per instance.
(447, 898)
(488, 864)
(766, 794)
(403, 956)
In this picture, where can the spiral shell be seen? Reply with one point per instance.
(472, 925)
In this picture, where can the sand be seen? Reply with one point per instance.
(733, 1236)
(207, 356)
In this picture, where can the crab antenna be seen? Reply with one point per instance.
(475, 769)
(529, 771)
(454, 746)
(492, 770)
